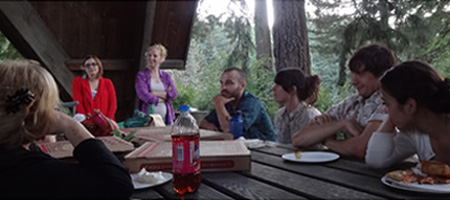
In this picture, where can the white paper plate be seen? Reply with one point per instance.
(312, 157)
(415, 187)
(162, 177)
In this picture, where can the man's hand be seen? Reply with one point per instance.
(329, 139)
(223, 116)
(353, 127)
(220, 100)
(322, 119)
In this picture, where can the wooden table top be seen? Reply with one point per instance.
(271, 177)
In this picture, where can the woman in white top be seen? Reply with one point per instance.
(296, 93)
(417, 100)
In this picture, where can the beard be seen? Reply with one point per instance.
(228, 94)
(225, 94)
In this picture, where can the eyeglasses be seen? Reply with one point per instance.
(90, 64)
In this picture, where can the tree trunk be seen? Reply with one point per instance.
(342, 75)
(384, 15)
(262, 35)
(290, 35)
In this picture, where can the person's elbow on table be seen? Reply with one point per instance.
(300, 140)
(375, 164)
(374, 160)
(359, 152)
(204, 124)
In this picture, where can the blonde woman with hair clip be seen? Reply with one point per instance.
(28, 98)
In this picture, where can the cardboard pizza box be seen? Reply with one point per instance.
(227, 155)
(161, 134)
(64, 149)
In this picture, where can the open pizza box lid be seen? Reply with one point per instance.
(64, 149)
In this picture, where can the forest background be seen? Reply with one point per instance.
(418, 29)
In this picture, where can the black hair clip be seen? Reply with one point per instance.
(22, 96)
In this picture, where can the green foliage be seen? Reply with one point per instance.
(412, 29)
(7, 50)
(186, 96)
(238, 30)
(417, 29)
(217, 44)
(260, 83)
(65, 110)
(332, 94)
(438, 53)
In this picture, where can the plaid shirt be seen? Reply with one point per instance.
(363, 110)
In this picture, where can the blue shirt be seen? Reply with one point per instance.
(257, 123)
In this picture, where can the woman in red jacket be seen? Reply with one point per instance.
(92, 91)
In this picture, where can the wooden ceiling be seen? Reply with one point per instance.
(60, 34)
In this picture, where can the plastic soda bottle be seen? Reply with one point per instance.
(185, 153)
(237, 124)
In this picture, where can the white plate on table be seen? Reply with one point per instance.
(161, 177)
(312, 157)
(416, 187)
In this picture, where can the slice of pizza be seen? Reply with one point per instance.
(427, 180)
(434, 180)
(430, 172)
(442, 180)
(435, 168)
(405, 176)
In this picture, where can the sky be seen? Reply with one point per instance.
(218, 7)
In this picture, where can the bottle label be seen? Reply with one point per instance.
(186, 158)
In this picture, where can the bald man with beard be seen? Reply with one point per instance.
(233, 97)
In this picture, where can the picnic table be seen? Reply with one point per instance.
(272, 177)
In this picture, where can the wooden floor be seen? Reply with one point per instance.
(273, 178)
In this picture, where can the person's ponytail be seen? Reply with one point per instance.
(312, 89)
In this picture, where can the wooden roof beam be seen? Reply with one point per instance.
(26, 30)
(150, 11)
(148, 29)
